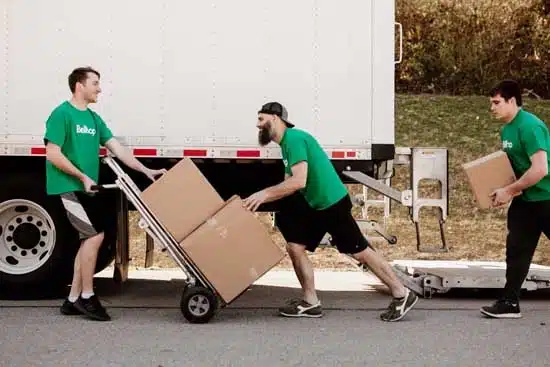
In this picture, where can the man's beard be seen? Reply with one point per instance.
(264, 135)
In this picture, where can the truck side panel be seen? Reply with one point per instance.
(180, 73)
(4, 64)
(383, 76)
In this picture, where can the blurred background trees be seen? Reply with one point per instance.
(462, 47)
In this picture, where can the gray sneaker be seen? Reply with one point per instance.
(300, 308)
(399, 307)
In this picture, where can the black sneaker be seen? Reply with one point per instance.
(68, 308)
(399, 307)
(502, 309)
(300, 308)
(92, 308)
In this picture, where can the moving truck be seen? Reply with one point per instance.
(181, 79)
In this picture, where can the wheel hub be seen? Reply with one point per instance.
(199, 305)
(27, 236)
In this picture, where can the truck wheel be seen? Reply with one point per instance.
(37, 242)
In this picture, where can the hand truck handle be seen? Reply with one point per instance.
(103, 187)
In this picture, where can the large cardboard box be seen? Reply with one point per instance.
(487, 174)
(232, 249)
(182, 199)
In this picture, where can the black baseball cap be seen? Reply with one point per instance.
(275, 108)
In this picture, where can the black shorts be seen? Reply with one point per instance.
(303, 225)
(85, 213)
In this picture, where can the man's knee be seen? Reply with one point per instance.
(95, 240)
(364, 255)
(295, 249)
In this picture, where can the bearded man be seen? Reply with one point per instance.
(320, 204)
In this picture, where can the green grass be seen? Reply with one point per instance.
(464, 126)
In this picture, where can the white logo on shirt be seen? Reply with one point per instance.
(506, 144)
(84, 130)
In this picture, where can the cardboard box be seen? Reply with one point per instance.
(182, 199)
(232, 249)
(487, 174)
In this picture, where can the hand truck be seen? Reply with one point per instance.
(199, 301)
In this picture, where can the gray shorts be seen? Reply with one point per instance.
(84, 212)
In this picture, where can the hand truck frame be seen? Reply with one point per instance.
(200, 301)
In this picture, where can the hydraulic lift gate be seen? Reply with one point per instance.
(427, 277)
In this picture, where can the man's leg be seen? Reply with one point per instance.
(403, 298)
(88, 258)
(382, 270)
(349, 239)
(76, 288)
(298, 227)
(304, 271)
(84, 213)
(523, 236)
(309, 305)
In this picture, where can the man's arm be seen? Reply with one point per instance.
(124, 155)
(537, 171)
(128, 159)
(292, 184)
(58, 159)
(295, 182)
(109, 141)
(534, 140)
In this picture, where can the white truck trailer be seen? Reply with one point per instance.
(186, 79)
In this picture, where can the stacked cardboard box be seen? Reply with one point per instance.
(487, 174)
(229, 245)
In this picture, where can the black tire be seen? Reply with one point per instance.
(55, 275)
(198, 304)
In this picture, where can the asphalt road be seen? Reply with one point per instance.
(149, 330)
(145, 337)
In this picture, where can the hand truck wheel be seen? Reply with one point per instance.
(198, 304)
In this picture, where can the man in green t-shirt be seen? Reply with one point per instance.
(526, 141)
(317, 202)
(73, 137)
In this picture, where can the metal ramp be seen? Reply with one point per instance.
(427, 277)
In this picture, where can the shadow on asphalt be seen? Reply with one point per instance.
(167, 293)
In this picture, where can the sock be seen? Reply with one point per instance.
(73, 299)
(87, 295)
(402, 298)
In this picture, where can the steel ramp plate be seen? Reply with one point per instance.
(462, 268)
(472, 274)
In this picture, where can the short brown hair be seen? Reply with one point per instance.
(79, 75)
(508, 89)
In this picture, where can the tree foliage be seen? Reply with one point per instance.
(466, 46)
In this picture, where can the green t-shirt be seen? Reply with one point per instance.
(80, 134)
(323, 186)
(521, 138)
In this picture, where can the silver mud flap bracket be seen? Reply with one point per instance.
(425, 164)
